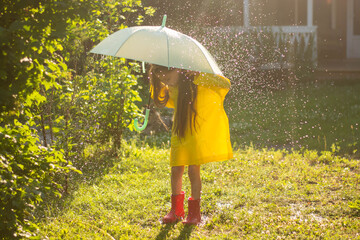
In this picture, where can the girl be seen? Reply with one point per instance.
(200, 132)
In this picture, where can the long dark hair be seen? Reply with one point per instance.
(185, 114)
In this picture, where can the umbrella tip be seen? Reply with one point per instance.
(164, 21)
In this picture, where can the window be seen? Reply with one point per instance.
(356, 17)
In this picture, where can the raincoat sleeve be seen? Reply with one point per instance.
(219, 84)
(170, 102)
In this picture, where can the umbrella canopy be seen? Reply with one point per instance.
(158, 45)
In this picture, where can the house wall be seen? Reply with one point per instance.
(278, 12)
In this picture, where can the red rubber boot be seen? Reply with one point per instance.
(194, 217)
(177, 209)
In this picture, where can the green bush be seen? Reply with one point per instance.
(48, 89)
(27, 172)
(97, 107)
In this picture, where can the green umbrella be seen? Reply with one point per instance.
(161, 46)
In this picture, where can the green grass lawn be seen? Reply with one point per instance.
(295, 175)
(302, 115)
(261, 194)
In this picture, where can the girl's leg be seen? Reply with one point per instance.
(195, 180)
(177, 198)
(176, 179)
(194, 216)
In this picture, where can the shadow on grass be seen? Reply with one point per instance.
(184, 234)
(93, 168)
(164, 231)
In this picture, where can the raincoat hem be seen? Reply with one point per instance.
(205, 160)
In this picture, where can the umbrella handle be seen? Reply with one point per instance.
(136, 122)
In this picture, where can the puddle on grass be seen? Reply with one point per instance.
(298, 213)
(226, 205)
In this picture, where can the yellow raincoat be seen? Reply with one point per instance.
(211, 140)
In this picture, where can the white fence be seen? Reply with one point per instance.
(285, 45)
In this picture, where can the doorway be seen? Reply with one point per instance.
(353, 29)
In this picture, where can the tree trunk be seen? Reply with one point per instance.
(43, 126)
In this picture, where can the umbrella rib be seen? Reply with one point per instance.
(124, 42)
(168, 50)
(135, 32)
(141, 30)
(202, 52)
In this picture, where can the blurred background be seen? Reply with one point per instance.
(333, 24)
(294, 66)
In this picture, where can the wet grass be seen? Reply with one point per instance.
(307, 115)
(295, 175)
(261, 194)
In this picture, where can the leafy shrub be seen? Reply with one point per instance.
(97, 107)
(43, 61)
(27, 172)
